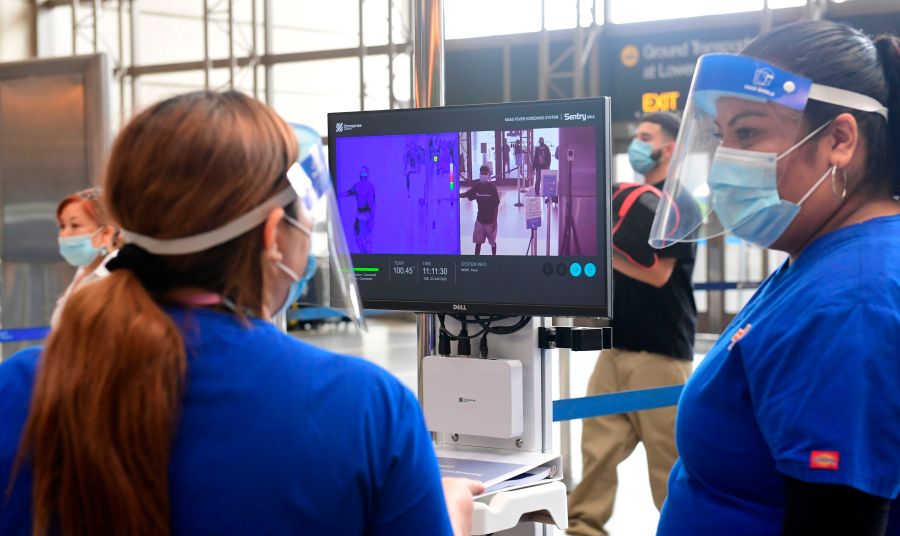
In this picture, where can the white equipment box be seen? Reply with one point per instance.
(467, 395)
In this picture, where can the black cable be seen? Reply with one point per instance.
(444, 332)
(488, 327)
(463, 347)
(463, 339)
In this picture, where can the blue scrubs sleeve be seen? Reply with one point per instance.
(412, 499)
(825, 396)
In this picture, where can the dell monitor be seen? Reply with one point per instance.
(485, 209)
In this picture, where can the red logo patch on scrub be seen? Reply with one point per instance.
(738, 335)
(824, 459)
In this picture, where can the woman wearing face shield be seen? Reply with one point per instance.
(165, 402)
(87, 241)
(791, 425)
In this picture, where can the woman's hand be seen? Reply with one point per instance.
(458, 493)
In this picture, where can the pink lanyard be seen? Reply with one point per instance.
(201, 299)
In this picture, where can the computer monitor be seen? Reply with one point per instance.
(485, 209)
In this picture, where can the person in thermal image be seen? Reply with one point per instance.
(364, 191)
(485, 194)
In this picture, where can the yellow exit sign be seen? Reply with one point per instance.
(660, 102)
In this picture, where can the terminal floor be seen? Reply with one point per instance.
(391, 343)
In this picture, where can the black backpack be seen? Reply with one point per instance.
(634, 207)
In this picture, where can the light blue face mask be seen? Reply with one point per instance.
(640, 156)
(298, 283)
(744, 190)
(79, 250)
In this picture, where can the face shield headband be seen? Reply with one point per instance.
(210, 239)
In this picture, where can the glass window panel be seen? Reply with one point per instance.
(168, 37)
(623, 11)
(376, 77)
(776, 4)
(304, 25)
(402, 79)
(156, 87)
(478, 18)
(306, 92)
(375, 22)
(401, 21)
(560, 14)
(243, 30)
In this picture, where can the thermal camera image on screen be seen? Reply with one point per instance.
(398, 194)
(528, 192)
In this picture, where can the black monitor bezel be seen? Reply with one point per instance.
(548, 310)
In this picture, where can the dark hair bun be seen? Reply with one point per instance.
(888, 47)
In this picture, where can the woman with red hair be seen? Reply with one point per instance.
(87, 240)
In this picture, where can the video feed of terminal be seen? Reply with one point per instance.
(469, 215)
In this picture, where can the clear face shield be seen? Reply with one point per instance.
(328, 280)
(333, 285)
(742, 122)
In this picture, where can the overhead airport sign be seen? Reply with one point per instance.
(652, 73)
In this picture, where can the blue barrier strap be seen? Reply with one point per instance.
(727, 285)
(23, 334)
(624, 402)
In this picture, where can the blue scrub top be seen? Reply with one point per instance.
(804, 383)
(276, 437)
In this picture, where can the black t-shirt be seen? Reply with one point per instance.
(659, 320)
(488, 199)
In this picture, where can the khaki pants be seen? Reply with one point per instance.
(607, 441)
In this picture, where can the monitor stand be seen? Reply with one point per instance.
(526, 511)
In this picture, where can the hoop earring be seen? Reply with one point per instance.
(843, 194)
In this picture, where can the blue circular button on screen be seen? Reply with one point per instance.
(575, 269)
(590, 269)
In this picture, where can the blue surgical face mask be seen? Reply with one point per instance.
(744, 191)
(298, 283)
(79, 250)
(640, 156)
(298, 286)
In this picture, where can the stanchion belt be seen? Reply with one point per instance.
(624, 402)
(24, 334)
(727, 285)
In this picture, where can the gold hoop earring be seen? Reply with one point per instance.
(843, 194)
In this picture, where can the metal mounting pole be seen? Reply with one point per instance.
(232, 62)
(207, 64)
(267, 50)
(121, 71)
(95, 26)
(543, 56)
(578, 63)
(362, 60)
(74, 5)
(428, 91)
(391, 54)
(132, 51)
(428, 54)
(254, 62)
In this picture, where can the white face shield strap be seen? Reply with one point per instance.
(847, 99)
(215, 237)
